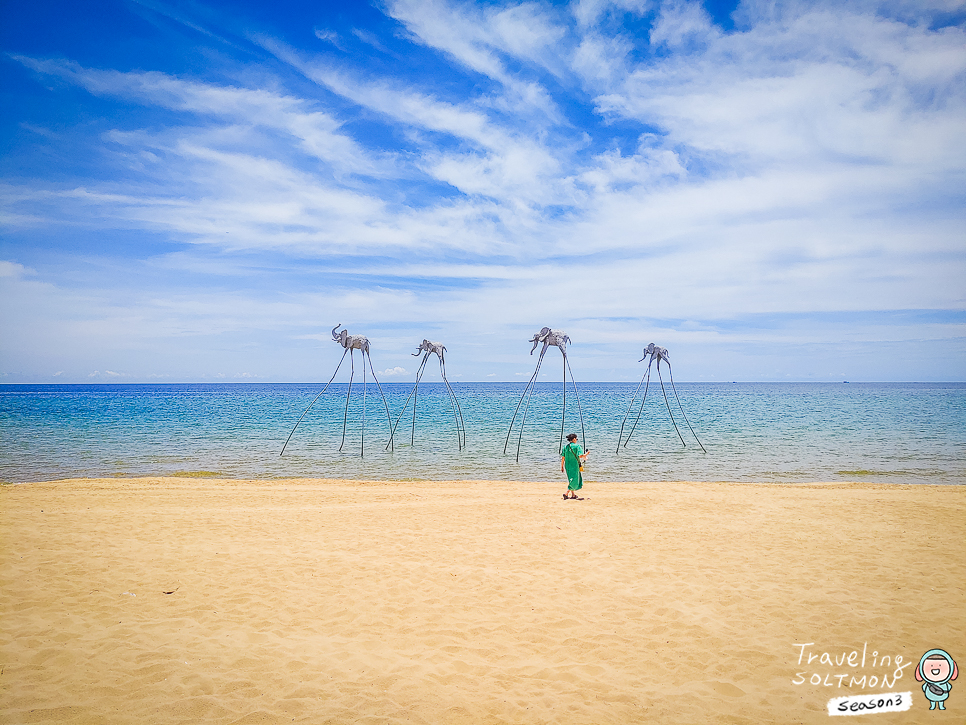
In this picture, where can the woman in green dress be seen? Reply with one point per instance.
(570, 459)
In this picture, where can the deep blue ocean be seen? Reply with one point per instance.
(777, 432)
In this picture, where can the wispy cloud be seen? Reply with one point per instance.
(477, 37)
(317, 131)
(329, 36)
(623, 169)
(500, 163)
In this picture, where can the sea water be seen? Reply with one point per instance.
(780, 432)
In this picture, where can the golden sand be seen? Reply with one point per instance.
(174, 600)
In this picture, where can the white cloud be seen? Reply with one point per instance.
(329, 36)
(390, 372)
(823, 87)
(476, 39)
(553, 168)
(317, 131)
(683, 26)
(11, 269)
(588, 12)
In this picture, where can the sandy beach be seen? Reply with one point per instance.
(185, 600)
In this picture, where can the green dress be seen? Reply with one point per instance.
(571, 453)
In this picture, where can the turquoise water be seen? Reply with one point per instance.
(889, 432)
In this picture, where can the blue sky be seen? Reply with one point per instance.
(200, 191)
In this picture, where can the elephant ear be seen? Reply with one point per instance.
(919, 672)
(955, 671)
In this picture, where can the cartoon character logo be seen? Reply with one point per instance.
(935, 670)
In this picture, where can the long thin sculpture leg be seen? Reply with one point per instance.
(533, 385)
(529, 395)
(620, 436)
(670, 375)
(640, 411)
(345, 416)
(457, 411)
(313, 402)
(412, 392)
(525, 391)
(394, 426)
(419, 377)
(384, 401)
(563, 415)
(362, 452)
(669, 405)
(583, 434)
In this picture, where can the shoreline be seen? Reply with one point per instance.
(176, 600)
(397, 481)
